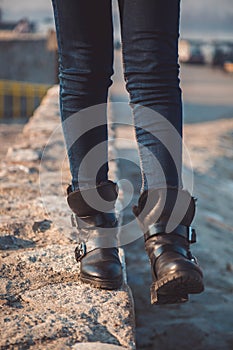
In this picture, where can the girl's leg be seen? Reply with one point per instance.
(84, 33)
(150, 31)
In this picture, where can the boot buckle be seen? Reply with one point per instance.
(192, 237)
(80, 251)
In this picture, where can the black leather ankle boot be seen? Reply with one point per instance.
(97, 227)
(165, 216)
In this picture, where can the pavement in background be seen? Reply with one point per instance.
(206, 321)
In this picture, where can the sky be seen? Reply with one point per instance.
(207, 15)
(197, 16)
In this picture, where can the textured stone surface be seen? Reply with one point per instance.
(43, 304)
(96, 346)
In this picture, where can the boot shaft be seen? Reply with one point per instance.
(89, 202)
(170, 207)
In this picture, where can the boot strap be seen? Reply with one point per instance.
(159, 228)
(94, 232)
(175, 249)
(98, 242)
(91, 222)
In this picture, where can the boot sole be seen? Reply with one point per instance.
(102, 284)
(174, 289)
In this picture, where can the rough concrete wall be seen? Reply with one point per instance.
(26, 58)
(43, 303)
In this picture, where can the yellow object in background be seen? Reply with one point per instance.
(19, 99)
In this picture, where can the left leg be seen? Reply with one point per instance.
(150, 31)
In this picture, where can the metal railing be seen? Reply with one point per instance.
(19, 99)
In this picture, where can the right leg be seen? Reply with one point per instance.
(84, 33)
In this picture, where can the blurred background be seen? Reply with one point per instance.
(28, 67)
(28, 61)
(29, 51)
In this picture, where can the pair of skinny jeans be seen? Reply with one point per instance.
(149, 33)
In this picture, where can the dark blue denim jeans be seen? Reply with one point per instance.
(150, 31)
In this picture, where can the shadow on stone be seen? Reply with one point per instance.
(41, 226)
(14, 301)
(13, 243)
(100, 332)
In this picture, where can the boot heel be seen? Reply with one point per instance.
(163, 299)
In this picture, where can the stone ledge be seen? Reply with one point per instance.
(43, 303)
